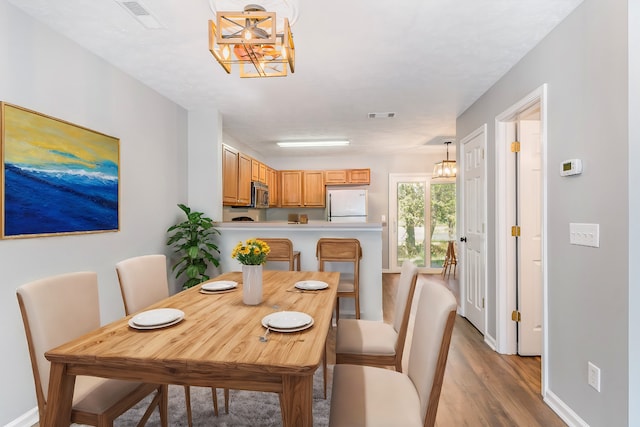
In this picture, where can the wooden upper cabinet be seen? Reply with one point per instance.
(236, 177)
(229, 176)
(274, 187)
(359, 176)
(255, 170)
(335, 177)
(347, 176)
(262, 173)
(290, 188)
(314, 190)
(258, 171)
(244, 180)
(302, 189)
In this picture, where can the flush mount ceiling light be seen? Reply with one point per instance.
(445, 168)
(252, 40)
(298, 144)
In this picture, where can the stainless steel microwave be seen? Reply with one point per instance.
(259, 195)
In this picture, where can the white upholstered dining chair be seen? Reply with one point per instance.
(143, 281)
(372, 396)
(377, 343)
(58, 309)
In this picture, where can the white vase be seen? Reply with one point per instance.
(252, 284)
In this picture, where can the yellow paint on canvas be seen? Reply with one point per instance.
(36, 140)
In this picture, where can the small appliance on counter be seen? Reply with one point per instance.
(347, 205)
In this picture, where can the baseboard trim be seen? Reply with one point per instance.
(565, 412)
(27, 419)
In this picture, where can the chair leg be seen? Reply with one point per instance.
(214, 396)
(187, 399)
(226, 400)
(159, 400)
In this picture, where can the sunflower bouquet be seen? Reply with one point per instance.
(251, 252)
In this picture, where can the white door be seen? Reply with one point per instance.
(530, 240)
(474, 228)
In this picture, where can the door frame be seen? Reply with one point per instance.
(505, 217)
(460, 225)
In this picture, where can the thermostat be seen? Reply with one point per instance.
(571, 167)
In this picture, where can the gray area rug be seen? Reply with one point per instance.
(246, 408)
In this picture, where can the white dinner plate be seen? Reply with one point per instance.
(157, 317)
(145, 328)
(312, 285)
(287, 320)
(219, 285)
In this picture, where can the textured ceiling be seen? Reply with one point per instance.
(425, 60)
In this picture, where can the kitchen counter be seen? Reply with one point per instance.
(311, 225)
(304, 238)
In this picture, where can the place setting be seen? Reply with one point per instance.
(309, 286)
(287, 321)
(156, 319)
(218, 287)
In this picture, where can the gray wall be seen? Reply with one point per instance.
(584, 63)
(43, 71)
(634, 211)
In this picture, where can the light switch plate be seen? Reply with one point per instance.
(584, 234)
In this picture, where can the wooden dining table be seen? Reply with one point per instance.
(216, 344)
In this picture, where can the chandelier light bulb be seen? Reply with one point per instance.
(247, 35)
(225, 52)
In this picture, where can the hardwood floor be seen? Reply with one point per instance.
(481, 387)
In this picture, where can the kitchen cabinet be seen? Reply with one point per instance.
(274, 187)
(236, 177)
(258, 171)
(302, 189)
(290, 188)
(335, 177)
(359, 176)
(313, 191)
(347, 176)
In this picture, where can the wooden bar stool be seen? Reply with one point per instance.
(342, 250)
(282, 250)
(450, 260)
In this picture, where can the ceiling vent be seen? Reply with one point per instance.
(382, 115)
(138, 11)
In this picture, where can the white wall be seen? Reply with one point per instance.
(584, 63)
(43, 71)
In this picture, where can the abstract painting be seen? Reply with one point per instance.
(57, 178)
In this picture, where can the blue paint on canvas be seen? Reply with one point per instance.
(39, 201)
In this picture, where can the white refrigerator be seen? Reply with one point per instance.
(347, 205)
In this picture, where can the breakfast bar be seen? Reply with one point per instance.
(304, 238)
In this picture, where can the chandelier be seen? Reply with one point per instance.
(445, 168)
(250, 40)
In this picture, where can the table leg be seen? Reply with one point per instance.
(59, 397)
(296, 401)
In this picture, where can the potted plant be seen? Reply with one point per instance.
(192, 240)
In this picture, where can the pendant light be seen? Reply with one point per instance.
(445, 168)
